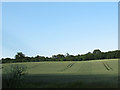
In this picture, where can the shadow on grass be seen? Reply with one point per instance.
(70, 81)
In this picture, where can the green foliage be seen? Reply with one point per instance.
(13, 75)
(96, 51)
(96, 55)
(19, 55)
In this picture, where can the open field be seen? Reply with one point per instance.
(76, 74)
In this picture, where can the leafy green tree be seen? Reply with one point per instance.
(67, 54)
(97, 54)
(96, 51)
(89, 56)
(19, 55)
(70, 58)
(59, 57)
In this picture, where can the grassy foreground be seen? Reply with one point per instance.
(71, 74)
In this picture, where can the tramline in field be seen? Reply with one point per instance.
(99, 72)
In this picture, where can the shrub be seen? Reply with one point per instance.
(13, 76)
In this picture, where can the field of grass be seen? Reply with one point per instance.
(68, 74)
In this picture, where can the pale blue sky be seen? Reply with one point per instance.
(46, 29)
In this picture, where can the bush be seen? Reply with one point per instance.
(13, 77)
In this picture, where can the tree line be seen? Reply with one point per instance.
(95, 55)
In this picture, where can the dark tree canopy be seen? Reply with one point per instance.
(97, 54)
(96, 51)
(19, 55)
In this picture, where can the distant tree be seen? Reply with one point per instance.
(117, 53)
(54, 56)
(59, 57)
(97, 54)
(27, 59)
(67, 54)
(89, 56)
(70, 58)
(20, 56)
(6, 60)
(37, 58)
(47, 59)
(96, 51)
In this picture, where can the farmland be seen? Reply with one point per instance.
(76, 74)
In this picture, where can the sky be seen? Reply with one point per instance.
(51, 28)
